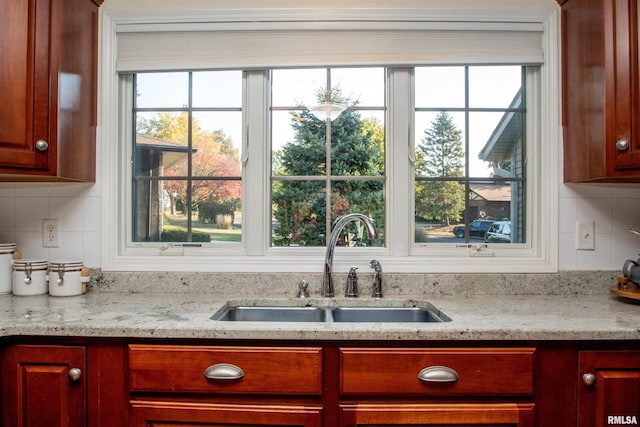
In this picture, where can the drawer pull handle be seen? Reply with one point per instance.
(223, 371)
(438, 374)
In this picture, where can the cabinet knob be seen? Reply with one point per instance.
(589, 379)
(42, 145)
(438, 374)
(75, 374)
(622, 144)
(224, 371)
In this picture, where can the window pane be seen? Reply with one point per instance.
(187, 169)
(496, 144)
(219, 210)
(217, 89)
(291, 88)
(481, 144)
(165, 129)
(361, 85)
(440, 144)
(363, 196)
(339, 160)
(298, 213)
(438, 205)
(493, 86)
(439, 87)
(162, 90)
(217, 139)
(304, 153)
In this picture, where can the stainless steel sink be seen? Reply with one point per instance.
(272, 314)
(386, 314)
(331, 314)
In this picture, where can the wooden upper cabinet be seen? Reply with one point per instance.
(600, 90)
(48, 81)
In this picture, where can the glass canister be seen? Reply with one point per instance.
(6, 266)
(66, 278)
(30, 277)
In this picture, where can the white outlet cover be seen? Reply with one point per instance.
(50, 233)
(585, 235)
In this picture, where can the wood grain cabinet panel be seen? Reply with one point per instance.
(600, 90)
(608, 388)
(283, 370)
(437, 387)
(48, 81)
(438, 415)
(165, 414)
(44, 386)
(378, 371)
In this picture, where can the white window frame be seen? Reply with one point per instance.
(539, 254)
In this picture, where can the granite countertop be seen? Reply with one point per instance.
(173, 315)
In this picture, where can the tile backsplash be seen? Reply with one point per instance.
(23, 206)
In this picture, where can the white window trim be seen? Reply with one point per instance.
(541, 255)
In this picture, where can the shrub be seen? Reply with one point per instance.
(180, 235)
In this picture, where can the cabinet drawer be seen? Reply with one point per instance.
(495, 371)
(282, 370)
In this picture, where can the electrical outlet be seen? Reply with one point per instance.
(50, 233)
(585, 235)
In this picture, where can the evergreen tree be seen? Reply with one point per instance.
(356, 150)
(440, 154)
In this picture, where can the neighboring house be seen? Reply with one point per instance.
(490, 201)
(506, 145)
(153, 156)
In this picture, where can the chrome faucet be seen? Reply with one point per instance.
(341, 222)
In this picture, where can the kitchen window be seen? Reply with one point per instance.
(276, 209)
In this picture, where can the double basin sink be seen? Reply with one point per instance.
(266, 313)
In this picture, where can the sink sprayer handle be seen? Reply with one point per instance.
(224, 371)
(438, 374)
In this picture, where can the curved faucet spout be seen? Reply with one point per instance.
(338, 226)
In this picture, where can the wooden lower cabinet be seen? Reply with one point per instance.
(174, 413)
(44, 385)
(437, 387)
(176, 385)
(438, 415)
(116, 382)
(609, 388)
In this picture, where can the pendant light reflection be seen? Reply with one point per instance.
(328, 110)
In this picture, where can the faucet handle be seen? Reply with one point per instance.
(303, 289)
(351, 290)
(376, 291)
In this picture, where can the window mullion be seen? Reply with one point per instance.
(400, 176)
(256, 170)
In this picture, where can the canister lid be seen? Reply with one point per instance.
(66, 265)
(7, 248)
(21, 264)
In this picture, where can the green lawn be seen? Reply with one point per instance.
(173, 222)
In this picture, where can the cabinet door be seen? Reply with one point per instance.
(438, 415)
(164, 414)
(44, 386)
(609, 388)
(25, 83)
(600, 90)
(624, 144)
